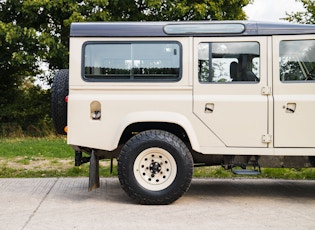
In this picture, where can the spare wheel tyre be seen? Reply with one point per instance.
(59, 91)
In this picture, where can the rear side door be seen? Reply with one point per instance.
(294, 91)
(231, 93)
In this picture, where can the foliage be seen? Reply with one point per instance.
(33, 32)
(26, 112)
(305, 17)
(18, 60)
(49, 21)
(165, 10)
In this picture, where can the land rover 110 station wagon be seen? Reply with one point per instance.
(163, 97)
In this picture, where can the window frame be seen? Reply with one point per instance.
(130, 79)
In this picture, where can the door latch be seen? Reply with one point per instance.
(290, 108)
(209, 108)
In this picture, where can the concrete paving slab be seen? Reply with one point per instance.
(65, 203)
(20, 198)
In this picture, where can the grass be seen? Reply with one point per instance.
(55, 147)
(52, 157)
(42, 157)
(273, 173)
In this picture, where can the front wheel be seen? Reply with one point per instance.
(155, 167)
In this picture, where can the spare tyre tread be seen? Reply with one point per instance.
(59, 91)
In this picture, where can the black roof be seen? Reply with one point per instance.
(157, 29)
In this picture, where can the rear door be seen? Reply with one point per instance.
(294, 91)
(231, 92)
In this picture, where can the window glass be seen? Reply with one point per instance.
(297, 60)
(229, 62)
(132, 61)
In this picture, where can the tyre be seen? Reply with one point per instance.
(60, 89)
(155, 167)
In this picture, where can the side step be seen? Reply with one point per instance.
(246, 172)
(243, 168)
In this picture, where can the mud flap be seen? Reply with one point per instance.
(94, 177)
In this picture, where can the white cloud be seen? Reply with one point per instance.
(271, 10)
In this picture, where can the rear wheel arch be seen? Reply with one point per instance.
(138, 127)
(173, 122)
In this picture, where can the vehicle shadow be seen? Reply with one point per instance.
(252, 188)
(209, 188)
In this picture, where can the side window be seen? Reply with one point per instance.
(132, 61)
(228, 62)
(297, 60)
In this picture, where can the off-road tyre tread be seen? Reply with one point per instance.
(162, 139)
(59, 90)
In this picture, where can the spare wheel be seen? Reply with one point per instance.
(59, 92)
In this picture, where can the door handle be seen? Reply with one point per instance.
(209, 107)
(290, 108)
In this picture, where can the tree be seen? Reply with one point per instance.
(37, 31)
(18, 60)
(51, 19)
(166, 10)
(306, 17)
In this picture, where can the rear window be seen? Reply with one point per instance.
(132, 61)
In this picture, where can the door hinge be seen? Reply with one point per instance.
(267, 138)
(266, 90)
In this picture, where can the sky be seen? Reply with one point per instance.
(271, 10)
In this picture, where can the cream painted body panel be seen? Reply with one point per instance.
(295, 129)
(121, 108)
(242, 114)
(240, 111)
(123, 104)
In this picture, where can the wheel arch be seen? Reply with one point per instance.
(174, 123)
